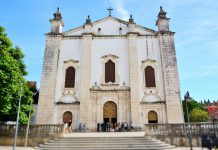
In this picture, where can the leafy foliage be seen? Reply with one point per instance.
(34, 90)
(192, 105)
(12, 72)
(198, 115)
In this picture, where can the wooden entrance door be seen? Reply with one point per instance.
(110, 112)
(67, 117)
(152, 117)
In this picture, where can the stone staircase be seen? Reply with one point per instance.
(104, 143)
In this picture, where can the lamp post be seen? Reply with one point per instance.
(28, 125)
(18, 114)
(189, 134)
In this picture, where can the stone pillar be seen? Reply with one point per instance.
(133, 75)
(45, 112)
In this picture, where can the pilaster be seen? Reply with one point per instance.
(134, 81)
(85, 101)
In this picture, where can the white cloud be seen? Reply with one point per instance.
(120, 10)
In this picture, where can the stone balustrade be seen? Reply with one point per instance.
(181, 129)
(34, 130)
(37, 133)
(177, 134)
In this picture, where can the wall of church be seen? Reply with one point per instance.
(158, 108)
(61, 109)
(99, 98)
(105, 46)
(70, 50)
(148, 48)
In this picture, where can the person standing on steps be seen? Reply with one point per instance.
(84, 127)
(65, 127)
(80, 127)
(98, 126)
(69, 126)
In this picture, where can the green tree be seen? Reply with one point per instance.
(191, 104)
(12, 72)
(198, 115)
(34, 90)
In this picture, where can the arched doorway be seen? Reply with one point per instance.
(152, 117)
(67, 117)
(110, 112)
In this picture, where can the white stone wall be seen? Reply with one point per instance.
(148, 48)
(105, 46)
(70, 50)
(62, 108)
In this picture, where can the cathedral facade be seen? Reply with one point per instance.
(109, 70)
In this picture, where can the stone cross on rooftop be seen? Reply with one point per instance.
(109, 9)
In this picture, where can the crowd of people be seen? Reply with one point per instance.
(82, 127)
(114, 127)
(101, 127)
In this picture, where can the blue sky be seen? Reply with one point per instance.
(194, 21)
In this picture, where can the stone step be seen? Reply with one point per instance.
(129, 148)
(103, 140)
(104, 143)
(109, 142)
(101, 144)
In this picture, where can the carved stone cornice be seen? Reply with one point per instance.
(63, 103)
(151, 103)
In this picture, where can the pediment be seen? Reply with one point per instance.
(151, 98)
(71, 61)
(148, 61)
(109, 26)
(110, 56)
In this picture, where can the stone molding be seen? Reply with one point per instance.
(154, 65)
(114, 59)
(147, 98)
(70, 91)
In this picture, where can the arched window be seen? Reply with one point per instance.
(109, 71)
(149, 77)
(70, 77)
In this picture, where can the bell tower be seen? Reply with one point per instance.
(56, 22)
(170, 69)
(49, 72)
(162, 21)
